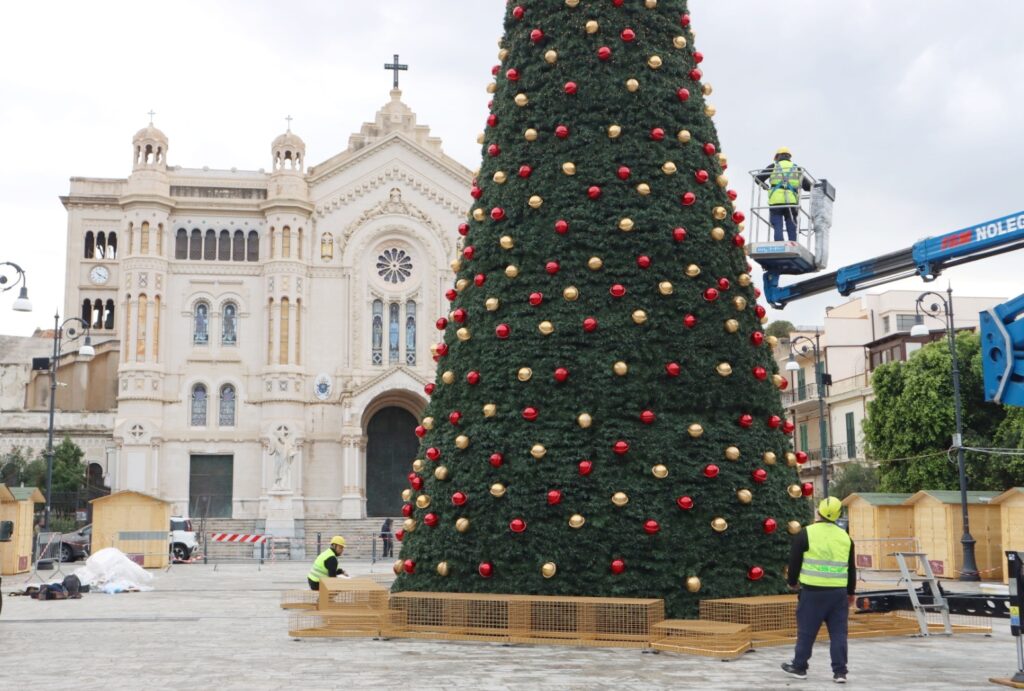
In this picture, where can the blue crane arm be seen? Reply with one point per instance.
(1002, 352)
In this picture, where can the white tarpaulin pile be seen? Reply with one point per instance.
(110, 571)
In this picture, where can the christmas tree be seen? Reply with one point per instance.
(606, 418)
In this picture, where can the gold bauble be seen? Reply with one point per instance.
(462, 442)
(732, 326)
(448, 377)
(669, 168)
(695, 430)
(791, 459)
(620, 368)
(479, 215)
(409, 525)
(626, 224)
(398, 566)
(620, 499)
(492, 304)
(538, 451)
(461, 284)
(724, 369)
(795, 491)
(492, 87)
(522, 100)
(643, 189)
(501, 177)
(572, 3)
(548, 570)
(442, 568)
(506, 242)
(463, 334)
(614, 131)
(679, 42)
(665, 288)
(462, 525)
(707, 89)
(717, 233)
(584, 420)
(551, 56)
(732, 453)
(744, 280)
(769, 458)
(632, 85)
(720, 213)
(722, 181)
(423, 501)
(441, 473)
(660, 471)
(654, 62)
(693, 271)
(569, 168)
(497, 490)
(639, 317)
(710, 110)
(595, 263)
(407, 494)
(592, 26)
(778, 380)
(503, 54)
(693, 584)
(418, 465)
(740, 303)
(744, 496)
(524, 374)
(546, 328)
(428, 422)
(511, 271)
(480, 138)
(576, 521)
(530, 135)
(794, 527)
(571, 293)
(684, 136)
(490, 410)
(773, 341)
(719, 525)
(536, 201)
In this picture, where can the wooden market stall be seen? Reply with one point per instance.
(1011, 509)
(17, 504)
(135, 523)
(938, 526)
(880, 524)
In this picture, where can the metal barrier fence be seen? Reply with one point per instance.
(47, 556)
(876, 553)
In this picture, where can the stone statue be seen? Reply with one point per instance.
(283, 451)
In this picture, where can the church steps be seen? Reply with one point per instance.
(359, 534)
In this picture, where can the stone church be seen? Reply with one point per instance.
(271, 329)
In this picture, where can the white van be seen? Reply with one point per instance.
(183, 539)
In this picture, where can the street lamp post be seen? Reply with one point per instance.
(86, 351)
(22, 303)
(819, 380)
(969, 571)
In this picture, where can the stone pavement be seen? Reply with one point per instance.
(222, 628)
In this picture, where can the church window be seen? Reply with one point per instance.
(156, 328)
(195, 244)
(210, 246)
(108, 319)
(252, 248)
(97, 315)
(101, 245)
(378, 332)
(393, 331)
(181, 244)
(201, 324)
(270, 242)
(229, 325)
(394, 265)
(127, 325)
(410, 332)
(199, 404)
(270, 331)
(226, 417)
(224, 246)
(144, 238)
(112, 245)
(298, 332)
(299, 253)
(87, 311)
(238, 247)
(286, 243)
(285, 320)
(140, 329)
(90, 244)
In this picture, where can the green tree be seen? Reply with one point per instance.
(605, 419)
(68, 468)
(18, 468)
(780, 328)
(854, 477)
(910, 422)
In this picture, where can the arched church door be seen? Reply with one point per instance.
(390, 449)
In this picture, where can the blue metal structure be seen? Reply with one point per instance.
(1002, 352)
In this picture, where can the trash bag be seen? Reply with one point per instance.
(110, 571)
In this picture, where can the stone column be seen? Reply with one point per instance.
(353, 464)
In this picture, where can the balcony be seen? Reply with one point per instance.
(839, 453)
(795, 395)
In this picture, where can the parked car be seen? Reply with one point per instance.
(181, 541)
(183, 538)
(73, 546)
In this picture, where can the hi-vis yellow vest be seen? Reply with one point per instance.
(785, 184)
(319, 569)
(827, 559)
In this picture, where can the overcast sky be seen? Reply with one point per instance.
(913, 109)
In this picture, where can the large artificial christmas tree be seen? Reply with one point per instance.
(606, 418)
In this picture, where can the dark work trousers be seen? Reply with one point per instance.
(815, 607)
(313, 585)
(779, 215)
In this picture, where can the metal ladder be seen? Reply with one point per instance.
(938, 603)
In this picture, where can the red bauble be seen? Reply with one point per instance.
(451, 294)
(618, 566)
(420, 431)
(755, 573)
(760, 311)
(441, 324)
(590, 325)
(807, 489)
(441, 349)
(406, 510)
(460, 315)
(525, 171)
(492, 120)
(479, 280)
(459, 498)
(529, 413)
(673, 369)
(463, 229)
(416, 483)
(738, 241)
(683, 94)
(536, 35)
(497, 213)
(561, 374)
(643, 261)
(517, 525)
(617, 290)
(502, 331)
(698, 57)
(552, 268)
(561, 227)
(433, 453)
(733, 195)
(571, 88)
(784, 384)
(518, 12)
(685, 503)
(472, 377)
(723, 284)
(536, 299)
(701, 176)
(746, 420)
(555, 497)
(689, 321)
(689, 199)
(648, 417)
(759, 476)
(429, 388)
(454, 417)
(623, 172)
(711, 470)
(760, 373)
(399, 534)
(684, 20)
(711, 294)
(486, 569)
(651, 527)
(617, 3)
(430, 520)
(788, 427)
(738, 217)
(621, 448)
(657, 134)
(709, 149)
(769, 526)
(409, 566)
(774, 421)
(757, 291)
(468, 251)
(512, 74)
(493, 150)
(562, 132)
(496, 460)
(696, 74)
(756, 338)
(586, 467)
(679, 234)
(604, 53)
(801, 457)
(628, 35)
(594, 192)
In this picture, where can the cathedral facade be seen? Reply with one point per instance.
(273, 327)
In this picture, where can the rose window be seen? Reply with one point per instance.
(394, 265)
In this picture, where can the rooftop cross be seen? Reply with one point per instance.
(151, 113)
(396, 67)
(289, 119)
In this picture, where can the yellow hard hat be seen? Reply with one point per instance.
(338, 540)
(783, 150)
(830, 509)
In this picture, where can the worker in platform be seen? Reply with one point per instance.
(328, 563)
(785, 179)
(821, 566)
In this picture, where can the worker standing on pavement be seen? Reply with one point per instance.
(821, 566)
(785, 179)
(327, 564)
